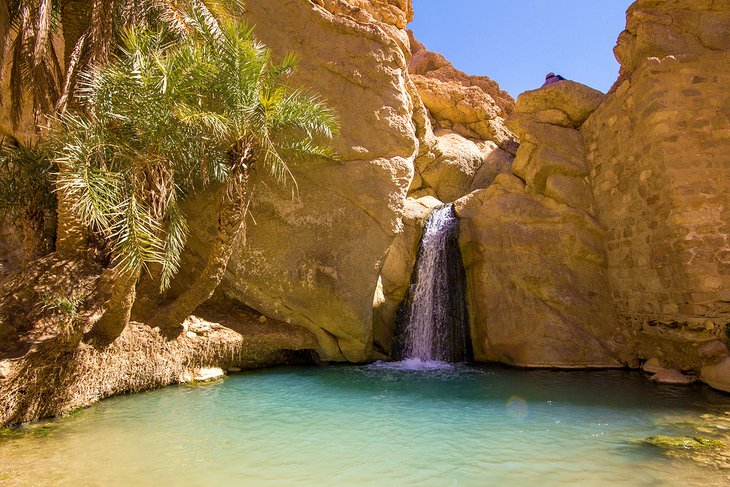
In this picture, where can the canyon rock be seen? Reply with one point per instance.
(467, 110)
(657, 151)
(435, 66)
(464, 141)
(313, 252)
(536, 277)
(566, 103)
(463, 166)
(534, 254)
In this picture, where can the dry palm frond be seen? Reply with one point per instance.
(4, 33)
(42, 33)
(72, 70)
(101, 31)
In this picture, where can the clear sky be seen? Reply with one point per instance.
(516, 42)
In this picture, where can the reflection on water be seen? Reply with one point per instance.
(383, 424)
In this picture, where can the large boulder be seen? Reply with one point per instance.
(313, 253)
(567, 101)
(717, 375)
(536, 278)
(463, 166)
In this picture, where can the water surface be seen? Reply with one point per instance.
(377, 425)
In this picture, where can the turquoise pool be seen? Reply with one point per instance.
(376, 425)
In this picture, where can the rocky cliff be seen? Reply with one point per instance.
(658, 151)
(533, 250)
(314, 252)
(594, 227)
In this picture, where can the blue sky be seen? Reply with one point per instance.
(516, 42)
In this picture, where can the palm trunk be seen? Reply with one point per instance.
(148, 293)
(231, 224)
(34, 238)
(118, 307)
(75, 19)
(71, 233)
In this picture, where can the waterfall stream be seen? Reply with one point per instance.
(432, 321)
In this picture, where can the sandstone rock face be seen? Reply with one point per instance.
(464, 142)
(565, 103)
(313, 259)
(463, 166)
(536, 279)
(534, 254)
(435, 66)
(672, 27)
(467, 110)
(551, 158)
(657, 151)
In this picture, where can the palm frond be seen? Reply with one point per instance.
(216, 123)
(306, 111)
(16, 70)
(302, 150)
(175, 18)
(42, 33)
(136, 236)
(175, 239)
(4, 34)
(71, 75)
(207, 24)
(26, 183)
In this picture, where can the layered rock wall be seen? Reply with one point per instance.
(533, 252)
(658, 149)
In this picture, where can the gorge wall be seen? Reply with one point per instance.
(313, 253)
(660, 173)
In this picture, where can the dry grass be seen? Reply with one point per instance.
(55, 372)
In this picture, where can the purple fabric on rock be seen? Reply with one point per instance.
(552, 79)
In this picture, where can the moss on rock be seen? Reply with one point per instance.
(683, 442)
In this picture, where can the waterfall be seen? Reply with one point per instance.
(432, 322)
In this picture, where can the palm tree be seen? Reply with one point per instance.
(164, 119)
(26, 194)
(91, 32)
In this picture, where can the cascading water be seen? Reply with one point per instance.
(432, 321)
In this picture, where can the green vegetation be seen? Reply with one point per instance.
(27, 198)
(682, 442)
(164, 119)
(150, 102)
(91, 32)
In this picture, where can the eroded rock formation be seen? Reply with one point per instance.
(658, 151)
(533, 251)
(313, 254)
(602, 241)
(465, 142)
